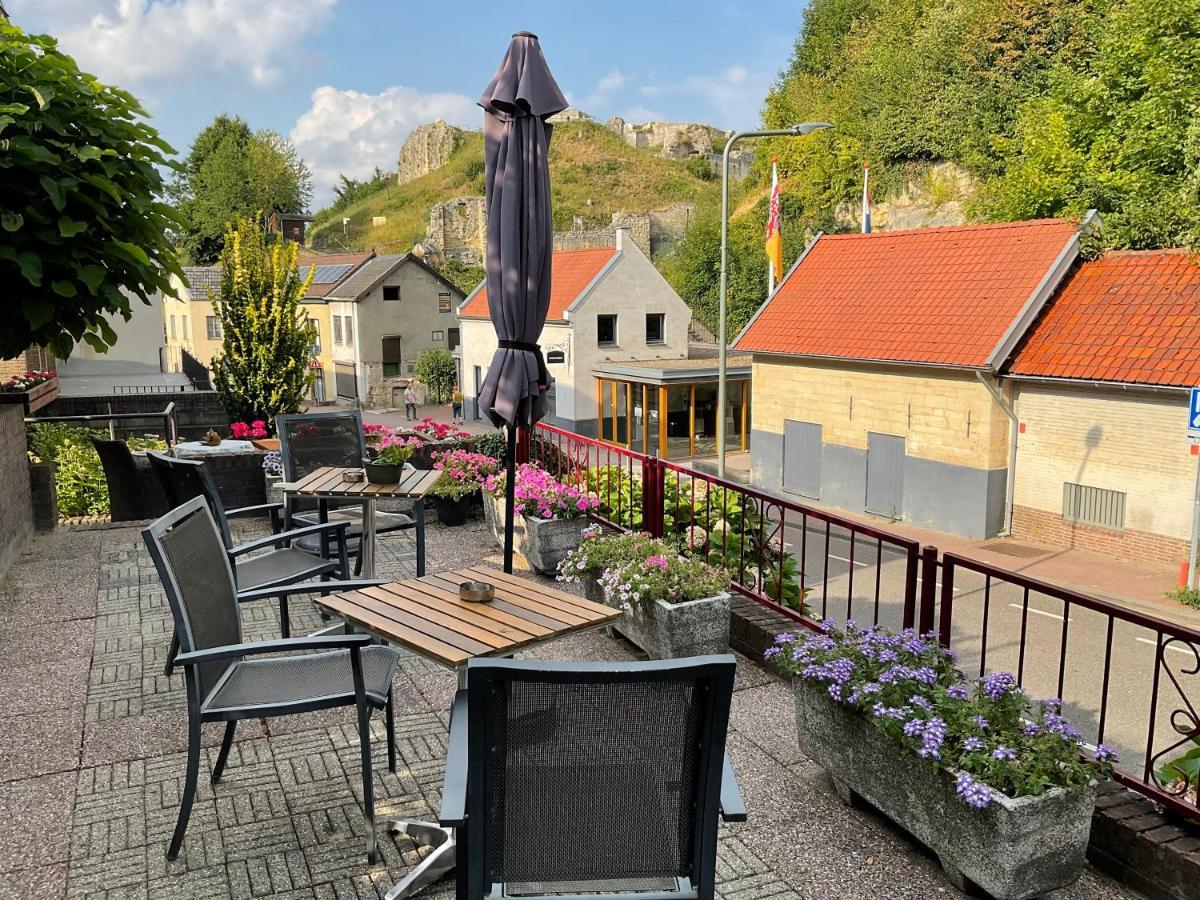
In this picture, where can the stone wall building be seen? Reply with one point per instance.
(458, 229)
(426, 148)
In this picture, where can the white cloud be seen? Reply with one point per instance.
(734, 96)
(606, 86)
(142, 43)
(351, 132)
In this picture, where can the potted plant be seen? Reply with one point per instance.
(467, 468)
(676, 605)
(452, 499)
(272, 465)
(994, 783)
(599, 550)
(545, 526)
(389, 462)
(437, 437)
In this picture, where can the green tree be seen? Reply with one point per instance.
(83, 233)
(262, 370)
(464, 276)
(233, 171)
(436, 370)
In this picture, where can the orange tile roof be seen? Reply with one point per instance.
(941, 296)
(571, 272)
(1131, 316)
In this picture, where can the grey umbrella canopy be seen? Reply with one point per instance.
(516, 154)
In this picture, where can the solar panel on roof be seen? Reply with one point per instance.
(327, 274)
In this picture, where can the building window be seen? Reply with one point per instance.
(452, 338)
(606, 331)
(337, 330)
(391, 356)
(438, 336)
(187, 331)
(391, 292)
(655, 332)
(349, 327)
(1093, 506)
(444, 305)
(212, 326)
(556, 357)
(172, 328)
(316, 327)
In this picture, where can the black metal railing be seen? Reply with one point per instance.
(165, 420)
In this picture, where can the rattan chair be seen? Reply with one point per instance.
(308, 441)
(276, 560)
(229, 680)
(580, 778)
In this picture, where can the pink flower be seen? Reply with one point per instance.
(659, 562)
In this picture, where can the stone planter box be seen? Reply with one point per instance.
(35, 398)
(543, 542)
(1012, 849)
(676, 630)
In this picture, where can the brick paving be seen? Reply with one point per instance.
(92, 739)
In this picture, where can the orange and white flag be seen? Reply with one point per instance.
(774, 238)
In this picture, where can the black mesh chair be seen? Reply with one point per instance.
(128, 497)
(580, 778)
(229, 680)
(277, 560)
(308, 441)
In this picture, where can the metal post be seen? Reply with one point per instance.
(510, 487)
(1193, 581)
(795, 131)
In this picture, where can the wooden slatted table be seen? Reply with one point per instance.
(327, 483)
(426, 615)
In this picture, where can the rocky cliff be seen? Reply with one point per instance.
(428, 147)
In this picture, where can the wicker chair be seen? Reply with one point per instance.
(581, 778)
(281, 561)
(227, 680)
(308, 441)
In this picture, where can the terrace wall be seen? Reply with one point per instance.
(195, 411)
(16, 508)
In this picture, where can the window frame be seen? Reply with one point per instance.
(391, 287)
(615, 333)
(348, 329)
(339, 339)
(661, 319)
(437, 337)
(213, 329)
(448, 305)
(386, 342)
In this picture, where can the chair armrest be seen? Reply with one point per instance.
(733, 807)
(253, 510)
(323, 588)
(454, 788)
(320, 642)
(283, 537)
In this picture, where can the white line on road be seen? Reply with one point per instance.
(1039, 612)
(1168, 647)
(857, 562)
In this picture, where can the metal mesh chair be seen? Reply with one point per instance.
(308, 441)
(277, 560)
(580, 778)
(229, 680)
(128, 497)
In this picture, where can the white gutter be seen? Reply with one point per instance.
(1011, 481)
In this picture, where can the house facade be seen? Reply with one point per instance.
(382, 317)
(608, 307)
(876, 369)
(1101, 384)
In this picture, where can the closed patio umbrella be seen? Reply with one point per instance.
(520, 98)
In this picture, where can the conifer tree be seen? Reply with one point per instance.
(262, 370)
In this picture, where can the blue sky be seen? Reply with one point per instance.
(346, 80)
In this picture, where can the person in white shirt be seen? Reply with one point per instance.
(410, 403)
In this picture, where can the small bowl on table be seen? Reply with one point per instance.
(476, 592)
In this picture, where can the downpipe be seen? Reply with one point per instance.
(1010, 485)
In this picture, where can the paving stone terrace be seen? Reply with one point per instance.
(92, 739)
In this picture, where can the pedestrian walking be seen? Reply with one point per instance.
(410, 403)
(456, 405)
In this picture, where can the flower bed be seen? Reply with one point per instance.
(1021, 793)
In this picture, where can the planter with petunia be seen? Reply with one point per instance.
(33, 390)
(1000, 787)
(600, 550)
(546, 524)
(459, 485)
(390, 458)
(437, 438)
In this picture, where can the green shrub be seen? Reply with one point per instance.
(82, 490)
(436, 370)
(1186, 596)
(46, 439)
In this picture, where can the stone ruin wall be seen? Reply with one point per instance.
(427, 147)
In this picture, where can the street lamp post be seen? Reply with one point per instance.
(800, 130)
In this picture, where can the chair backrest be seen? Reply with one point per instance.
(185, 479)
(195, 573)
(595, 776)
(121, 476)
(308, 441)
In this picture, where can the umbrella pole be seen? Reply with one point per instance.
(510, 488)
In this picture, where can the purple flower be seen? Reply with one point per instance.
(1105, 753)
(925, 675)
(998, 684)
(785, 637)
(1003, 753)
(770, 652)
(828, 625)
(980, 722)
(974, 793)
(932, 737)
(957, 692)
(913, 728)
(972, 744)
(1031, 729)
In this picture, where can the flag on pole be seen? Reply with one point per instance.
(774, 238)
(866, 203)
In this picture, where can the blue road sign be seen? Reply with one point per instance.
(1194, 413)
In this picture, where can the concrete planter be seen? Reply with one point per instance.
(592, 589)
(1013, 848)
(675, 630)
(543, 542)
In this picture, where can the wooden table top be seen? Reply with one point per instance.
(327, 482)
(426, 615)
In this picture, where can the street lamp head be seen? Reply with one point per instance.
(809, 127)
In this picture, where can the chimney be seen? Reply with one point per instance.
(622, 236)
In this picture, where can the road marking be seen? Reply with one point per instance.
(1039, 612)
(857, 562)
(1174, 647)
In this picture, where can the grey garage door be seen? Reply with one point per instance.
(347, 384)
(802, 458)
(885, 474)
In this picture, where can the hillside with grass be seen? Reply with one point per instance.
(593, 174)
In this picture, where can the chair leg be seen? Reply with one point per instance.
(358, 561)
(172, 652)
(390, 722)
(189, 784)
(364, 743)
(285, 620)
(223, 755)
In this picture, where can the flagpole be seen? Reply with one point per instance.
(866, 200)
(774, 187)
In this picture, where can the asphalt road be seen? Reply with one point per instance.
(1010, 613)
